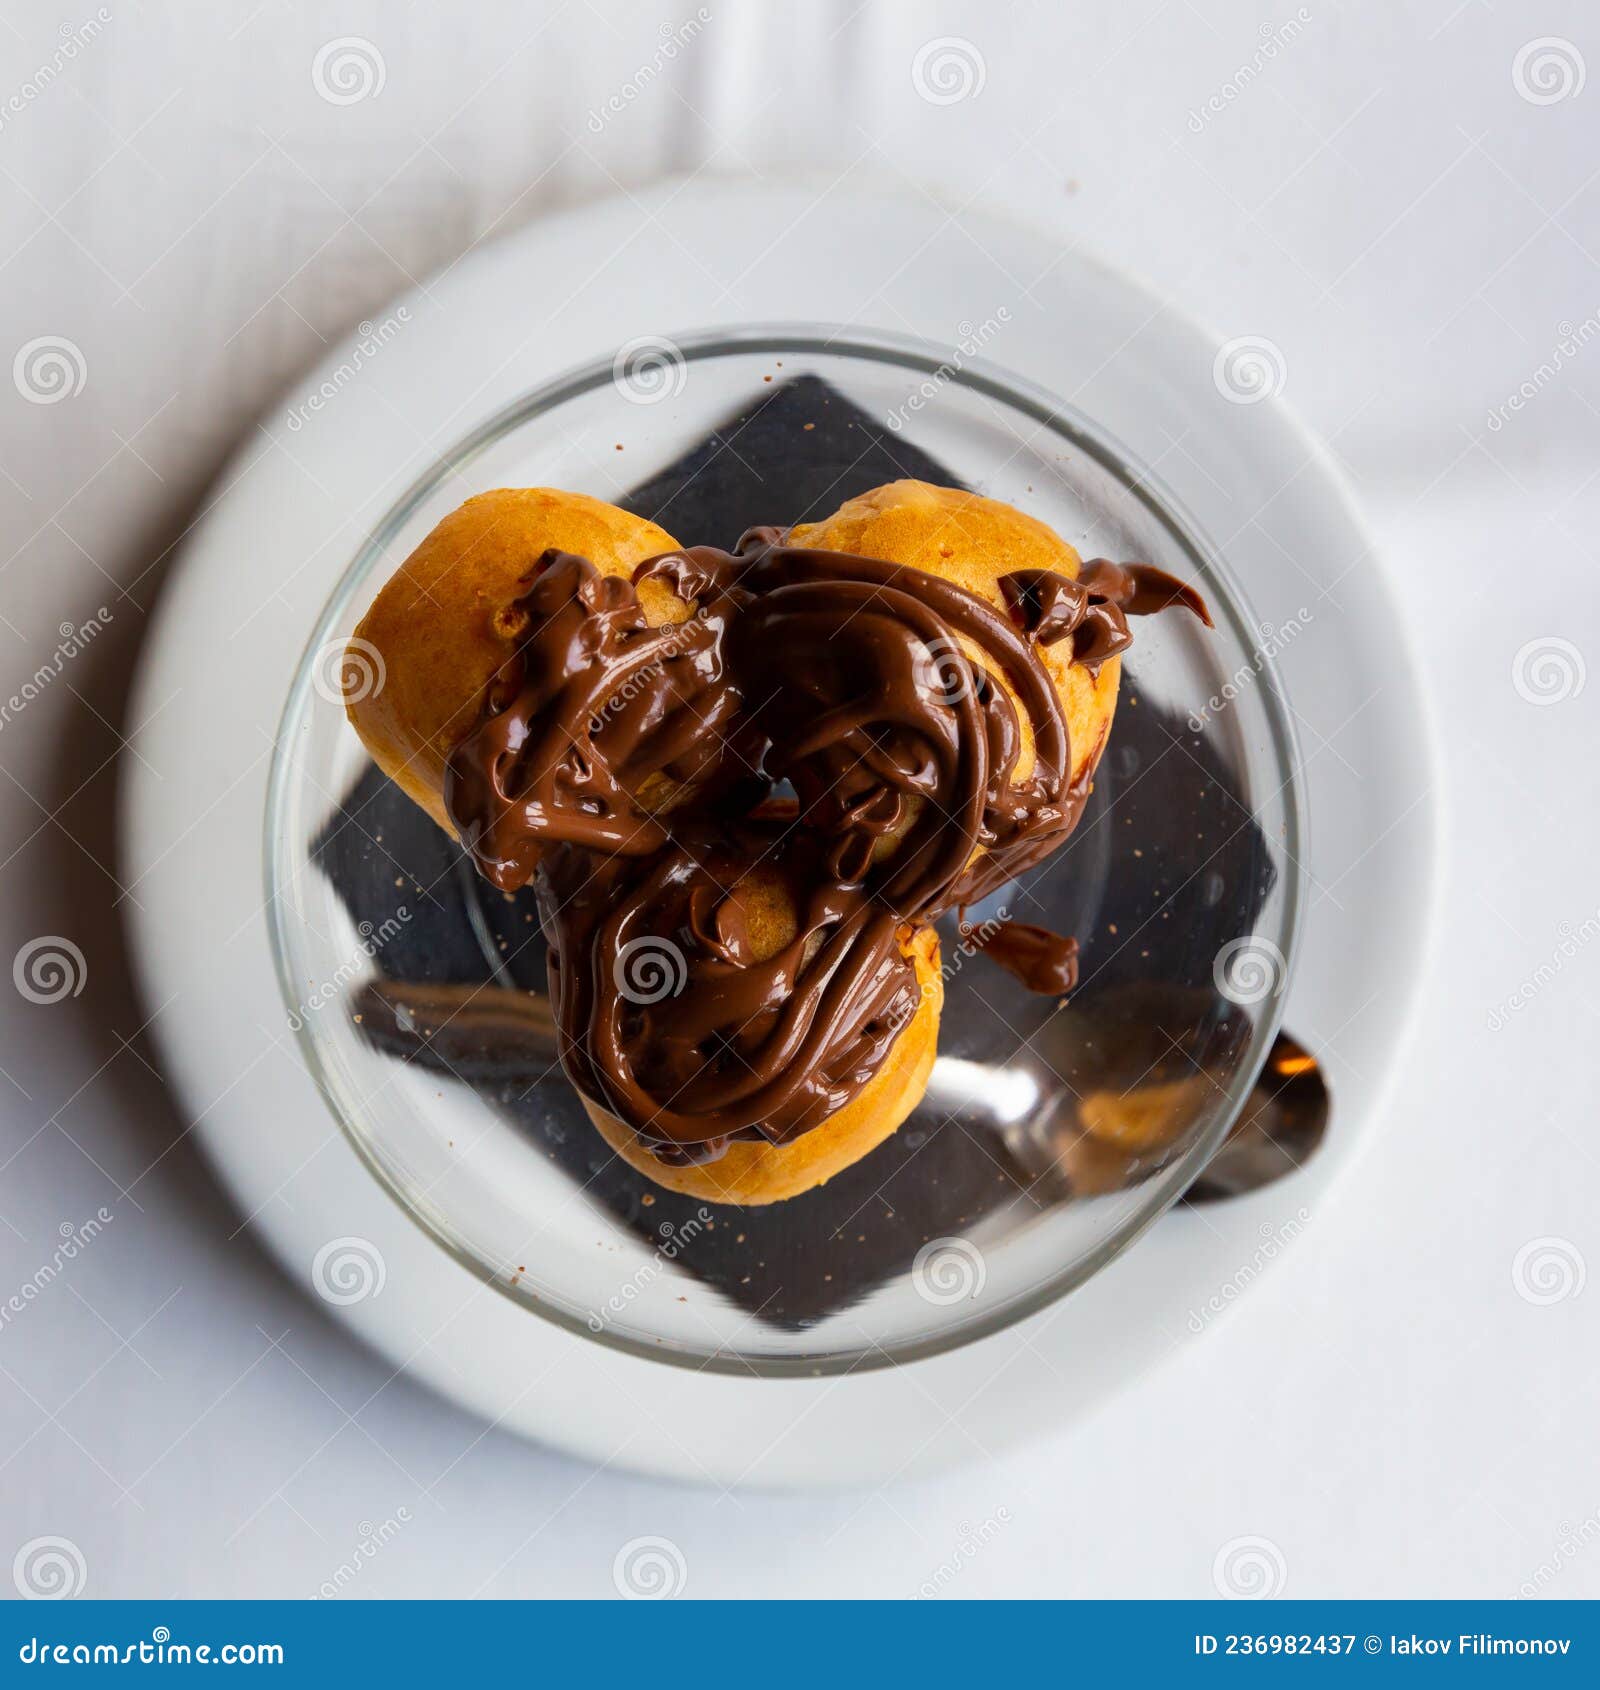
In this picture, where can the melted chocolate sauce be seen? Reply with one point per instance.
(1043, 961)
(727, 964)
(1092, 611)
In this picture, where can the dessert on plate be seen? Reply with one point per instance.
(743, 785)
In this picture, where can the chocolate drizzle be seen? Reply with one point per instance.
(1093, 610)
(728, 962)
(669, 1018)
(593, 709)
(1043, 961)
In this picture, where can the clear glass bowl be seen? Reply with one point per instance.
(1049, 1137)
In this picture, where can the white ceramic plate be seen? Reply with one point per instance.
(296, 504)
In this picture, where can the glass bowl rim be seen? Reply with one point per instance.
(1225, 598)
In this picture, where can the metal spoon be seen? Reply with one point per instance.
(1095, 1140)
(1278, 1130)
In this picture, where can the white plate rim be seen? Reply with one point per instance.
(178, 1043)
